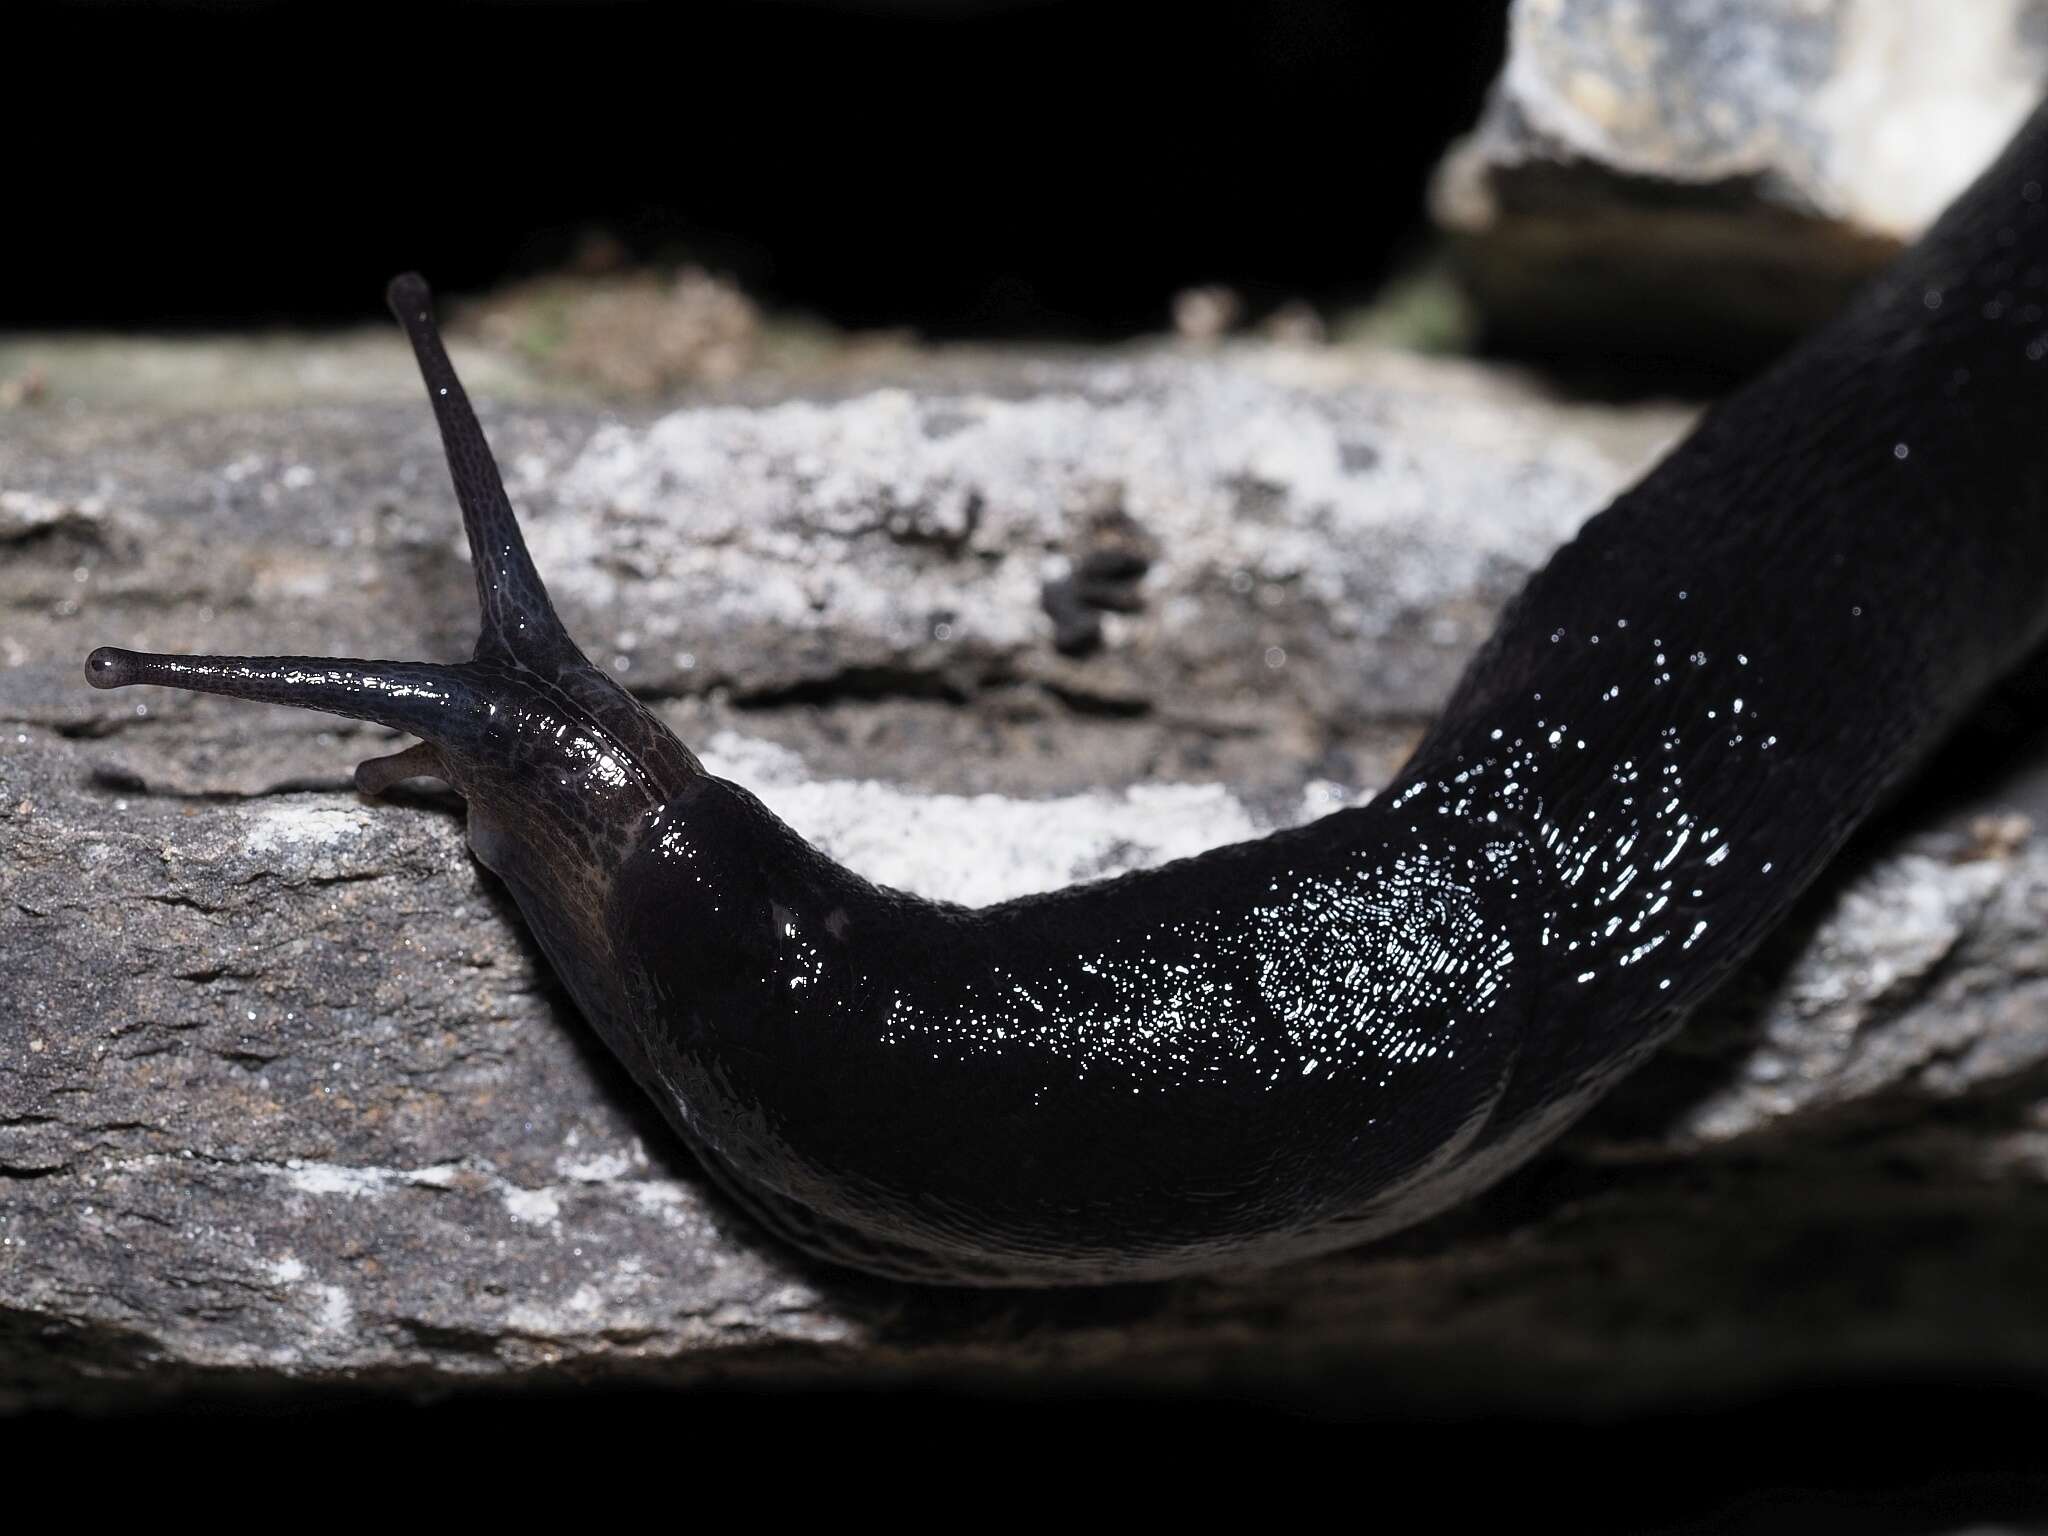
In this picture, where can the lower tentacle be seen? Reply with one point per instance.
(423, 698)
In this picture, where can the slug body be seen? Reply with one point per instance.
(1294, 1044)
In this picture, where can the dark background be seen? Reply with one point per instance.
(980, 167)
(1876, 1458)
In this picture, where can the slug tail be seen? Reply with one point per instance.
(519, 622)
(437, 703)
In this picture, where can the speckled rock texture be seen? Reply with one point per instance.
(288, 1099)
(1705, 180)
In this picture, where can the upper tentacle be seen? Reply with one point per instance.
(519, 622)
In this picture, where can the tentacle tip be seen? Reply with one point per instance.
(409, 297)
(111, 667)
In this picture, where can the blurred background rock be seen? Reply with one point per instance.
(1694, 184)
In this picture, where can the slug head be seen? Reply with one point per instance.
(561, 767)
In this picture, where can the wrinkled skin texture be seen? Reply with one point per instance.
(1299, 1043)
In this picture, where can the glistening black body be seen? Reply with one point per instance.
(1295, 1044)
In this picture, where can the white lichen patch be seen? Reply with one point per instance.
(316, 1178)
(334, 1311)
(862, 519)
(533, 1207)
(303, 831)
(330, 1309)
(978, 849)
(527, 1205)
(600, 1167)
(672, 1204)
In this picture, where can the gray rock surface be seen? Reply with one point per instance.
(287, 1097)
(1712, 177)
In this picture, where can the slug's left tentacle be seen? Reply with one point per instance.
(519, 622)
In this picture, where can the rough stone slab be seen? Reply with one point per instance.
(1710, 178)
(287, 1097)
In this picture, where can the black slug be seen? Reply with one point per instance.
(1290, 1045)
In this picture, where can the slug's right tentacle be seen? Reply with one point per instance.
(433, 702)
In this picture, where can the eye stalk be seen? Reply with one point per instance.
(519, 622)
